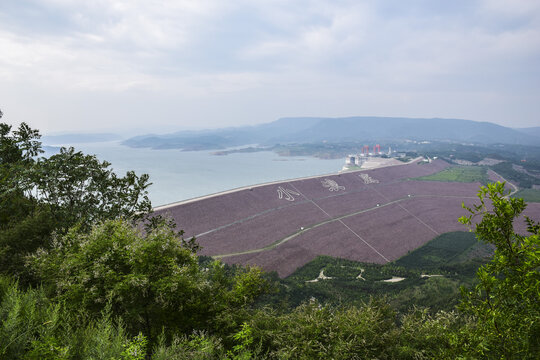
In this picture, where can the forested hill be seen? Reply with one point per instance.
(317, 129)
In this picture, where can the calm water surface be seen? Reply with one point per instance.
(179, 175)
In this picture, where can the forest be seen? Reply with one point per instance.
(87, 271)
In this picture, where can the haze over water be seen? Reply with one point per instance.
(179, 175)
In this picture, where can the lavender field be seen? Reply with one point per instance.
(372, 216)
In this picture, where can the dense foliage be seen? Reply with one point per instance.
(508, 171)
(83, 278)
(144, 278)
(41, 196)
(506, 301)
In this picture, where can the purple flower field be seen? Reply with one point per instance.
(260, 231)
(330, 239)
(391, 230)
(282, 226)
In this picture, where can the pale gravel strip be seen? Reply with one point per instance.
(508, 182)
(320, 277)
(360, 275)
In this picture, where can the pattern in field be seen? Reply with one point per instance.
(332, 185)
(286, 194)
(368, 179)
(312, 188)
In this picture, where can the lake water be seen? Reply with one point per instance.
(179, 175)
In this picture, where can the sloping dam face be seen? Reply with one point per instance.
(372, 216)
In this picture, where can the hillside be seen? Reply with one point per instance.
(371, 216)
(334, 130)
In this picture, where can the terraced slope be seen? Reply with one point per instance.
(371, 216)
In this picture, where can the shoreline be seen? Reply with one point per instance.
(247, 187)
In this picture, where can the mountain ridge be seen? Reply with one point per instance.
(357, 128)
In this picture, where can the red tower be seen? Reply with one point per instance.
(377, 149)
(365, 150)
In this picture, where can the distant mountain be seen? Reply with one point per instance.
(78, 138)
(317, 129)
(535, 131)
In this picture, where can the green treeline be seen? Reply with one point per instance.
(507, 171)
(88, 272)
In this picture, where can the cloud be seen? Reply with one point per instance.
(288, 58)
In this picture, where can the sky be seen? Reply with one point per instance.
(138, 66)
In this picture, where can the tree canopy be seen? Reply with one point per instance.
(40, 196)
(149, 279)
(506, 301)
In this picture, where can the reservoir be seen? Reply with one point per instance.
(179, 175)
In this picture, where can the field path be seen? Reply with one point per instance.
(492, 173)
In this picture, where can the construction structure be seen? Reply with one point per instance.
(357, 160)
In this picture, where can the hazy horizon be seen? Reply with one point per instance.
(127, 133)
(105, 66)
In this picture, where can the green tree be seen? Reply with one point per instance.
(316, 331)
(506, 301)
(25, 223)
(80, 189)
(18, 150)
(76, 188)
(39, 196)
(150, 279)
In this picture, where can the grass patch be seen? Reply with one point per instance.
(459, 174)
(353, 168)
(440, 251)
(529, 195)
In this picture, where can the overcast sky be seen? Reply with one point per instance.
(102, 65)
